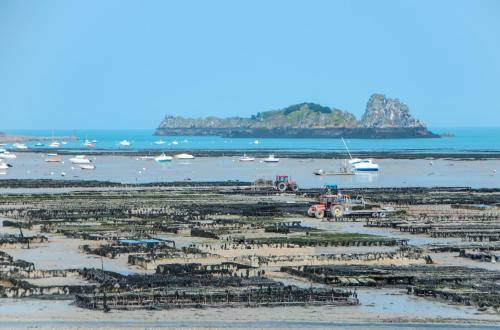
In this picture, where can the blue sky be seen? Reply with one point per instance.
(126, 64)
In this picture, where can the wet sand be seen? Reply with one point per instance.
(131, 169)
(379, 309)
(382, 309)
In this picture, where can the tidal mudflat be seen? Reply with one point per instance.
(216, 255)
(473, 172)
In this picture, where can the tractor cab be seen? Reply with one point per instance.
(281, 178)
(284, 183)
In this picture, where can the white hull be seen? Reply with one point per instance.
(7, 155)
(271, 159)
(86, 166)
(163, 159)
(363, 165)
(184, 156)
(80, 160)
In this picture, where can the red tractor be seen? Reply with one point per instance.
(334, 204)
(284, 183)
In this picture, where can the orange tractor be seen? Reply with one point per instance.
(334, 204)
(283, 183)
(329, 204)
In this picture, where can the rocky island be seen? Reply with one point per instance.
(383, 118)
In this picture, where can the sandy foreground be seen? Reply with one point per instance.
(391, 308)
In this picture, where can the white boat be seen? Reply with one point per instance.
(64, 142)
(7, 155)
(54, 144)
(125, 143)
(39, 144)
(271, 159)
(163, 158)
(361, 165)
(87, 166)
(365, 165)
(175, 142)
(184, 156)
(256, 142)
(246, 158)
(81, 159)
(20, 146)
(88, 144)
(4, 166)
(160, 142)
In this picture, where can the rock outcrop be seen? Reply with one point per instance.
(385, 112)
(383, 118)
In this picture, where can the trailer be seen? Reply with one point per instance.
(333, 204)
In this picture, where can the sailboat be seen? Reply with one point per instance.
(184, 156)
(163, 158)
(54, 144)
(88, 144)
(125, 143)
(4, 166)
(20, 146)
(87, 166)
(246, 158)
(361, 165)
(80, 159)
(7, 155)
(271, 159)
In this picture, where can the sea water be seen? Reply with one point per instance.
(465, 140)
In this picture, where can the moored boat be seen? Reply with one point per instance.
(53, 158)
(163, 158)
(124, 143)
(7, 155)
(184, 156)
(20, 146)
(246, 158)
(271, 159)
(361, 165)
(80, 159)
(87, 166)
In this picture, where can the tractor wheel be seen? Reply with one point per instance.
(319, 214)
(294, 187)
(382, 214)
(337, 211)
(310, 212)
(281, 186)
(375, 214)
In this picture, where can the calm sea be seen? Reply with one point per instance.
(465, 140)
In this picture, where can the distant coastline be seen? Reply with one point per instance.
(4, 138)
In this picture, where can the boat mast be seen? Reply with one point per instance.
(345, 145)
